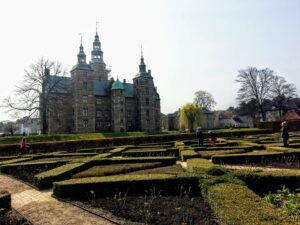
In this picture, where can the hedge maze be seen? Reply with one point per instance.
(229, 180)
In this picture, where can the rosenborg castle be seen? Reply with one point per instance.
(92, 102)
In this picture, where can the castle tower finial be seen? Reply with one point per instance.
(81, 57)
(97, 22)
(142, 51)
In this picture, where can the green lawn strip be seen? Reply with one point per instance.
(199, 165)
(45, 179)
(209, 154)
(5, 200)
(236, 204)
(105, 170)
(131, 184)
(13, 161)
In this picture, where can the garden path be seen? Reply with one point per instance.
(42, 209)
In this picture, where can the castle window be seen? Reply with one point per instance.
(121, 110)
(99, 113)
(121, 102)
(84, 99)
(147, 101)
(148, 113)
(85, 112)
(147, 90)
(84, 85)
(122, 121)
(85, 123)
(98, 101)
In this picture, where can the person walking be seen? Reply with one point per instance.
(200, 136)
(285, 133)
(23, 145)
(213, 138)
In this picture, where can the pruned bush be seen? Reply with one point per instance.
(131, 184)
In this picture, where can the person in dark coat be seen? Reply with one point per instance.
(285, 134)
(200, 136)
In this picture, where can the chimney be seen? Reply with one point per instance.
(124, 81)
(149, 72)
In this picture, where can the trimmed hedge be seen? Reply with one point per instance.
(188, 154)
(13, 161)
(246, 148)
(152, 152)
(98, 171)
(194, 165)
(236, 204)
(256, 157)
(5, 200)
(28, 166)
(45, 179)
(209, 154)
(13, 149)
(131, 184)
(269, 181)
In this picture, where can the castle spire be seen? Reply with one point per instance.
(81, 57)
(97, 54)
(142, 63)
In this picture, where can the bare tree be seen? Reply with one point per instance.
(10, 127)
(204, 100)
(255, 84)
(38, 90)
(281, 92)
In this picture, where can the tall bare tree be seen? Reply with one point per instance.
(204, 100)
(255, 84)
(281, 92)
(37, 90)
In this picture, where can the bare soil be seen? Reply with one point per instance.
(12, 217)
(155, 209)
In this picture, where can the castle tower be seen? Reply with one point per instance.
(118, 107)
(147, 99)
(97, 62)
(83, 97)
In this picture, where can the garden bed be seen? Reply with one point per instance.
(154, 208)
(12, 217)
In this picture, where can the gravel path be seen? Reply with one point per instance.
(42, 209)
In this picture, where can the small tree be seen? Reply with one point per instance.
(190, 115)
(281, 92)
(204, 100)
(10, 127)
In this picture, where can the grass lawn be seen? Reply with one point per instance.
(69, 137)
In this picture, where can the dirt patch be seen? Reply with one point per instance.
(155, 209)
(12, 217)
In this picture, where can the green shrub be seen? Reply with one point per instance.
(236, 204)
(188, 154)
(131, 184)
(199, 165)
(13, 161)
(5, 200)
(45, 179)
(217, 171)
(271, 181)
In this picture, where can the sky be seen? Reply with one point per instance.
(189, 45)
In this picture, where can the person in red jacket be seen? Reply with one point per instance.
(24, 145)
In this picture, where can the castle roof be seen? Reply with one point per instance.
(117, 85)
(59, 84)
(101, 88)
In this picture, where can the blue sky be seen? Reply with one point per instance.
(189, 45)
